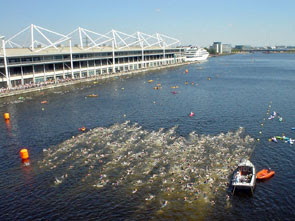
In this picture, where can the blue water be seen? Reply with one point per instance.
(238, 94)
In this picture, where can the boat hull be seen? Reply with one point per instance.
(244, 177)
(194, 54)
(203, 58)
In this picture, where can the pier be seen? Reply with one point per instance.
(81, 54)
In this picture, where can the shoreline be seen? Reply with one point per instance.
(89, 79)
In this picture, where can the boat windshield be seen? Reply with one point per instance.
(245, 170)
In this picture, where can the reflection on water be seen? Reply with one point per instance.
(160, 167)
(126, 171)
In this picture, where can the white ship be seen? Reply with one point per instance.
(195, 54)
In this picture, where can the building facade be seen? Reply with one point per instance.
(217, 47)
(40, 63)
(226, 48)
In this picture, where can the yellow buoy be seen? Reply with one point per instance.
(24, 154)
(6, 116)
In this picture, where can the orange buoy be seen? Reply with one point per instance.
(6, 116)
(24, 154)
(186, 71)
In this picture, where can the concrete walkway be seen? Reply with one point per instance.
(94, 78)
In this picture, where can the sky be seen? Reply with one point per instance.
(193, 22)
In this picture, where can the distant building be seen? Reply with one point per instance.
(226, 48)
(217, 47)
(220, 48)
(243, 47)
(281, 47)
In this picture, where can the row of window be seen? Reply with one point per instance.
(81, 56)
(39, 68)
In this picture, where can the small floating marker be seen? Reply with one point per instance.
(24, 154)
(258, 139)
(124, 115)
(92, 95)
(192, 114)
(42, 109)
(43, 102)
(186, 71)
(6, 116)
(83, 129)
(260, 132)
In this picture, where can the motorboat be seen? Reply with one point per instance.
(264, 174)
(244, 176)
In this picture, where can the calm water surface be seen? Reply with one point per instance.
(242, 92)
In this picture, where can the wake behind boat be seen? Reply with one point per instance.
(195, 54)
(244, 176)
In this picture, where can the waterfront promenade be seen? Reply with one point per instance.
(67, 82)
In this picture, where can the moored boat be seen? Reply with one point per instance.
(195, 54)
(244, 176)
(264, 174)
